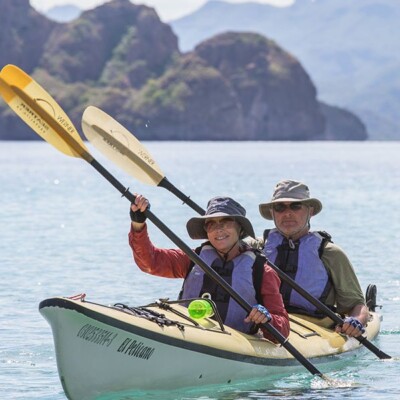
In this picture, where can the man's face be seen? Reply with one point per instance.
(291, 218)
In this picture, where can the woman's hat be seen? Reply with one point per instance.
(290, 191)
(219, 207)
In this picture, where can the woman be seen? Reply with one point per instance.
(224, 226)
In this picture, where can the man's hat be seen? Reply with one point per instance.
(290, 191)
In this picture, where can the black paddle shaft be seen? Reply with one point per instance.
(207, 269)
(166, 184)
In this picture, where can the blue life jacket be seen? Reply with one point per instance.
(304, 265)
(238, 273)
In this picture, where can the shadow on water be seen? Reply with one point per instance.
(298, 386)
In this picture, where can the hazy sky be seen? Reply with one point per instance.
(166, 9)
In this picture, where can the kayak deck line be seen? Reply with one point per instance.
(97, 312)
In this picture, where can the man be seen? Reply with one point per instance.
(311, 259)
(223, 226)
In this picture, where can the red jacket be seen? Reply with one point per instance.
(174, 263)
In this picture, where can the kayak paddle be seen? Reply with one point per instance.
(122, 147)
(42, 113)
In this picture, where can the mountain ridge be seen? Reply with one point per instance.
(121, 57)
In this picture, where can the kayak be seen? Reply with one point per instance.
(104, 349)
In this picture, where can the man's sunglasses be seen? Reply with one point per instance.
(281, 207)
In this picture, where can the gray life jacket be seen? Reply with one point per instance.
(304, 265)
(238, 273)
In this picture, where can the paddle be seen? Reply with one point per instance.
(42, 113)
(117, 143)
(127, 152)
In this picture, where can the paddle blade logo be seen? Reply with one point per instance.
(43, 103)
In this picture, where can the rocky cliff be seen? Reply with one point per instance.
(23, 34)
(347, 47)
(122, 58)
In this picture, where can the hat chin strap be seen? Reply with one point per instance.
(226, 254)
(289, 238)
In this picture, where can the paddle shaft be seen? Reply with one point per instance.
(209, 271)
(166, 184)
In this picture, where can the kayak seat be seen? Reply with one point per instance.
(370, 297)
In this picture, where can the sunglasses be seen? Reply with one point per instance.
(224, 223)
(281, 207)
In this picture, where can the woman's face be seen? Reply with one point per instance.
(223, 233)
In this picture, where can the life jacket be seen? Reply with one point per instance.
(301, 262)
(238, 273)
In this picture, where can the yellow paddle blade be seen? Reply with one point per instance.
(120, 146)
(40, 112)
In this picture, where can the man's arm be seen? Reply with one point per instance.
(348, 295)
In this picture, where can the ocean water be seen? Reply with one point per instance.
(64, 231)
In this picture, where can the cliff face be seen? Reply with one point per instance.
(23, 34)
(116, 43)
(342, 124)
(277, 98)
(192, 101)
(235, 86)
(122, 58)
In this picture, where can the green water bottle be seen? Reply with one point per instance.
(200, 309)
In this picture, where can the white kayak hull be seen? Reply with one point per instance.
(102, 349)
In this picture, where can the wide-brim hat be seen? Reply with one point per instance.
(290, 191)
(219, 207)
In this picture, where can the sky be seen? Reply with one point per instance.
(166, 9)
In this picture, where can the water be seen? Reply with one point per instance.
(64, 231)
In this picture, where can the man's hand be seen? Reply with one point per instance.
(351, 327)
